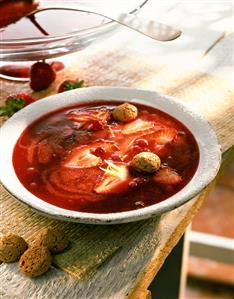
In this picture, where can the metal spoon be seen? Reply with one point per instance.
(150, 28)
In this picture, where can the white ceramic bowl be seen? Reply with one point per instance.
(210, 155)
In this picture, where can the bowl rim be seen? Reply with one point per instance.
(68, 35)
(205, 173)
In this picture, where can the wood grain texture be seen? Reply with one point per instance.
(137, 261)
(90, 245)
(131, 254)
(203, 93)
(219, 60)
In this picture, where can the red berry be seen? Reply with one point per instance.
(17, 71)
(70, 84)
(138, 182)
(31, 171)
(133, 184)
(137, 148)
(27, 98)
(116, 157)
(143, 143)
(41, 75)
(64, 86)
(97, 125)
(99, 151)
(33, 185)
(57, 66)
(141, 181)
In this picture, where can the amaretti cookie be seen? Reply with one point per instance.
(125, 112)
(11, 248)
(54, 239)
(35, 261)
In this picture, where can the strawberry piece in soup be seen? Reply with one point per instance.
(90, 119)
(90, 155)
(158, 140)
(81, 157)
(115, 179)
(136, 126)
(167, 176)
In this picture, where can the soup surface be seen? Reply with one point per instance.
(79, 158)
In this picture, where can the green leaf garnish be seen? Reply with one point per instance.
(74, 85)
(12, 106)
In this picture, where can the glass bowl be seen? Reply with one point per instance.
(20, 42)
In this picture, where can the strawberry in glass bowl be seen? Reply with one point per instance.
(43, 37)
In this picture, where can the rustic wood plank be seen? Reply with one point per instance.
(168, 229)
(219, 60)
(90, 245)
(145, 253)
(123, 269)
(220, 65)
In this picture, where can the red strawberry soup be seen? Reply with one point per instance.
(80, 158)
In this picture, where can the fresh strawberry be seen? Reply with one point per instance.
(81, 157)
(81, 117)
(95, 125)
(103, 148)
(103, 115)
(28, 98)
(71, 84)
(159, 141)
(161, 137)
(126, 143)
(136, 126)
(115, 179)
(17, 71)
(15, 102)
(141, 142)
(89, 115)
(69, 182)
(132, 145)
(23, 71)
(134, 150)
(41, 76)
(99, 152)
(167, 176)
(116, 156)
(92, 120)
(57, 66)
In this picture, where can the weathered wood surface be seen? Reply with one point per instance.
(90, 245)
(134, 265)
(118, 274)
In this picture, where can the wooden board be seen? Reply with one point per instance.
(152, 245)
(159, 236)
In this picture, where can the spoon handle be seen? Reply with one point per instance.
(150, 28)
(153, 29)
